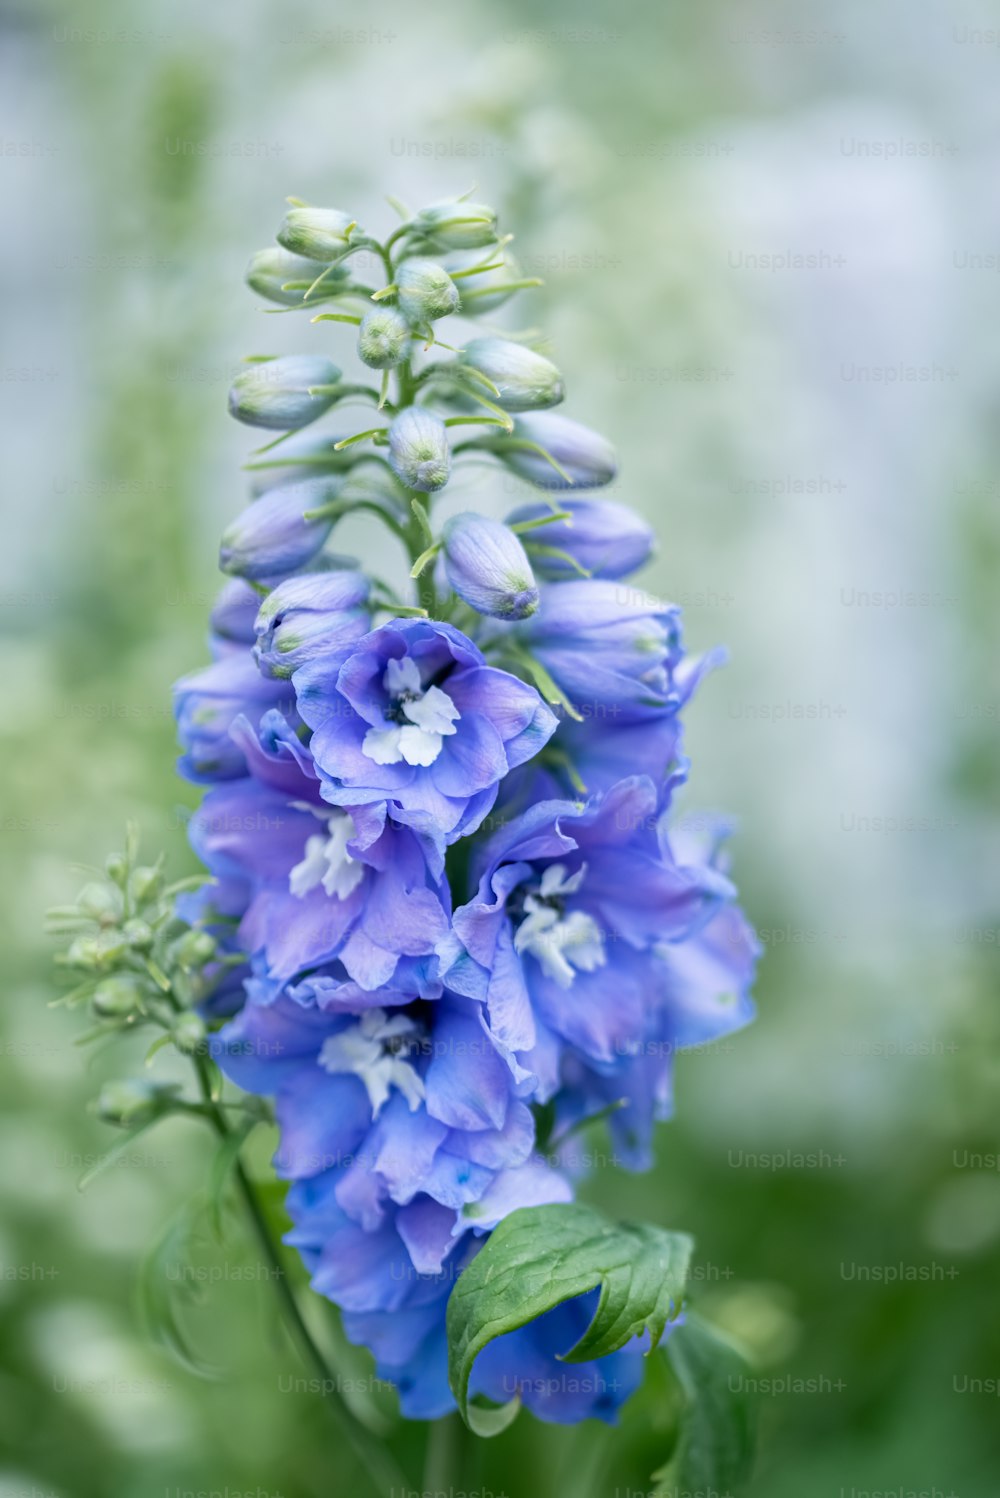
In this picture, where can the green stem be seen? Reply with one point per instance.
(385, 1474)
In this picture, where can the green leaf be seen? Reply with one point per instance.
(541, 1256)
(157, 1297)
(223, 1163)
(715, 1447)
(111, 1156)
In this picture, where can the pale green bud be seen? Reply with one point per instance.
(275, 393)
(457, 226)
(487, 289)
(317, 233)
(425, 291)
(145, 883)
(134, 1101)
(383, 338)
(138, 934)
(189, 1033)
(195, 948)
(117, 997)
(281, 277)
(524, 380)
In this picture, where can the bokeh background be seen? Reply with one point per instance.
(817, 447)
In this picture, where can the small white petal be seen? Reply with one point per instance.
(418, 747)
(382, 745)
(401, 677)
(307, 874)
(434, 711)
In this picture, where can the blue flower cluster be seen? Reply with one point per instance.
(439, 833)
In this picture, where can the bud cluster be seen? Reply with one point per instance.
(439, 408)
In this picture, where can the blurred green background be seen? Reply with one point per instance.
(817, 447)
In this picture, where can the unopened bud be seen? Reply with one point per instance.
(524, 380)
(134, 1101)
(383, 338)
(418, 449)
(425, 291)
(189, 1033)
(102, 902)
(585, 458)
(272, 537)
(458, 226)
(138, 934)
(97, 953)
(304, 616)
(603, 538)
(145, 883)
(317, 233)
(195, 948)
(486, 565)
(487, 289)
(117, 997)
(275, 393)
(284, 278)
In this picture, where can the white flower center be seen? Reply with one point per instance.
(564, 944)
(375, 1050)
(327, 861)
(417, 720)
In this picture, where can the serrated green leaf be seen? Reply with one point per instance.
(540, 1257)
(715, 1447)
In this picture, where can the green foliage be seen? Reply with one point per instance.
(716, 1436)
(539, 1257)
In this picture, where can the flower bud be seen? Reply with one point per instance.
(425, 291)
(117, 997)
(307, 455)
(606, 539)
(458, 226)
(280, 277)
(304, 616)
(134, 1101)
(145, 883)
(96, 953)
(383, 338)
(525, 380)
(610, 648)
(587, 459)
(487, 289)
(101, 901)
(418, 449)
(275, 393)
(486, 565)
(195, 948)
(272, 537)
(188, 1033)
(234, 612)
(317, 233)
(116, 868)
(138, 934)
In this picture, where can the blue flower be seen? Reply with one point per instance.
(601, 537)
(610, 648)
(583, 458)
(209, 702)
(307, 615)
(415, 721)
(570, 940)
(324, 884)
